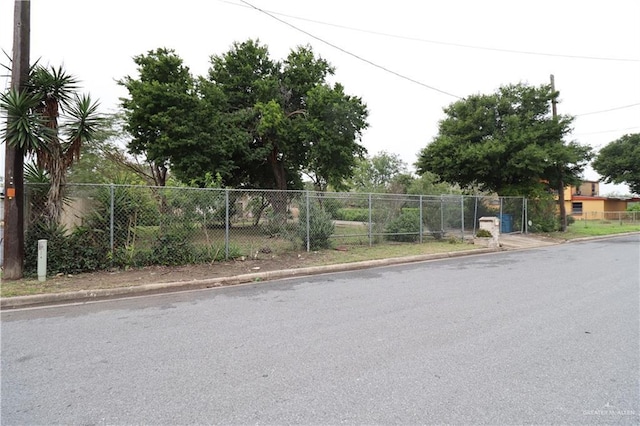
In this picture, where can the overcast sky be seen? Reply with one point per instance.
(460, 47)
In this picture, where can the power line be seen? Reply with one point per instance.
(444, 43)
(607, 131)
(397, 74)
(607, 110)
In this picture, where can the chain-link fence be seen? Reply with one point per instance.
(135, 225)
(621, 217)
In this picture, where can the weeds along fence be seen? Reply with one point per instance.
(599, 217)
(137, 225)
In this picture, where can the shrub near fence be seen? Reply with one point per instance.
(129, 226)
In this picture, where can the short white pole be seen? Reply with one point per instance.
(42, 260)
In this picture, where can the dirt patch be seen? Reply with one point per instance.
(162, 274)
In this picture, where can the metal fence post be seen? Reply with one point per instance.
(522, 217)
(526, 216)
(308, 225)
(441, 215)
(500, 215)
(475, 215)
(421, 229)
(111, 216)
(462, 216)
(370, 224)
(226, 224)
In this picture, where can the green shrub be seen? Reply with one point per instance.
(483, 233)
(331, 206)
(83, 250)
(321, 227)
(172, 249)
(543, 215)
(404, 228)
(352, 214)
(58, 252)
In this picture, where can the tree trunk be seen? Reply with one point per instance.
(57, 176)
(279, 199)
(563, 209)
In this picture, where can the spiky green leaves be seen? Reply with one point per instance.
(25, 128)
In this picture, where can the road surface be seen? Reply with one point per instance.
(549, 335)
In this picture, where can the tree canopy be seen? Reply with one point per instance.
(377, 173)
(254, 121)
(160, 110)
(619, 161)
(506, 142)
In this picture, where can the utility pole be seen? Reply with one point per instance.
(14, 158)
(563, 208)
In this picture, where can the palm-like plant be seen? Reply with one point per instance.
(49, 119)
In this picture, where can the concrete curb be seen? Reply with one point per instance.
(112, 293)
(146, 289)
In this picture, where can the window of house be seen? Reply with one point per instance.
(576, 208)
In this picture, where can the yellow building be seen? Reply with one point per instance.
(585, 202)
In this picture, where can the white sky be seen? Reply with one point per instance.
(95, 41)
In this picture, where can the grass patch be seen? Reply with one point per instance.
(31, 286)
(386, 251)
(581, 229)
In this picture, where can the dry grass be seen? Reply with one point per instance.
(261, 262)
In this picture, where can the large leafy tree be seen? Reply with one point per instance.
(292, 120)
(506, 142)
(160, 110)
(619, 161)
(255, 122)
(52, 121)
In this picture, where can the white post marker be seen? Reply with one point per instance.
(42, 260)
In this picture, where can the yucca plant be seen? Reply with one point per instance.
(51, 121)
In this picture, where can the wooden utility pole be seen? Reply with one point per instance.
(14, 158)
(563, 209)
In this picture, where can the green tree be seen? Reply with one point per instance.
(52, 121)
(507, 142)
(255, 122)
(428, 184)
(160, 110)
(292, 120)
(619, 161)
(377, 173)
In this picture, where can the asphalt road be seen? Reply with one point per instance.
(549, 335)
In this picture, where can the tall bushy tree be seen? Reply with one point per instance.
(619, 161)
(255, 122)
(506, 142)
(160, 110)
(292, 119)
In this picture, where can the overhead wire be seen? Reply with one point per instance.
(272, 14)
(607, 110)
(397, 74)
(607, 131)
(444, 43)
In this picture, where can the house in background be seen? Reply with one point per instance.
(585, 202)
